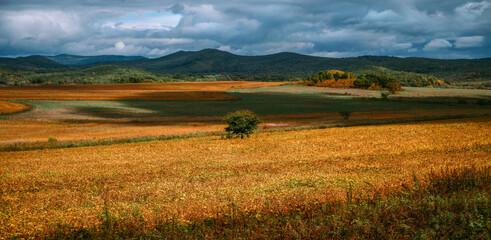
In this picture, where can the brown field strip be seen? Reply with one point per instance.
(15, 131)
(11, 107)
(131, 91)
(200, 177)
(25, 130)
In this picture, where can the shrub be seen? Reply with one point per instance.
(345, 114)
(242, 122)
(52, 139)
(385, 96)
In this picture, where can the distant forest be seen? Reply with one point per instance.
(215, 65)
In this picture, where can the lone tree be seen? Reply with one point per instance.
(242, 122)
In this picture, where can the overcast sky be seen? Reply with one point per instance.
(342, 28)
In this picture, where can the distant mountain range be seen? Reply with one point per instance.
(210, 61)
(82, 60)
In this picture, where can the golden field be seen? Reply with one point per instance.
(200, 177)
(11, 107)
(15, 131)
(131, 91)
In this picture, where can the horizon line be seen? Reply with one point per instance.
(219, 50)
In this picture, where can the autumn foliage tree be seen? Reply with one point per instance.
(331, 78)
(393, 86)
(340, 79)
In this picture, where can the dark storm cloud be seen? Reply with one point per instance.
(429, 28)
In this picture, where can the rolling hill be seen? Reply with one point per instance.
(82, 60)
(32, 63)
(214, 61)
(210, 61)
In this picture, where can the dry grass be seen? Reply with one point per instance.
(132, 91)
(200, 177)
(11, 107)
(26, 130)
(35, 131)
(408, 93)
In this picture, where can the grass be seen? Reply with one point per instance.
(450, 204)
(122, 182)
(408, 92)
(35, 132)
(72, 120)
(181, 182)
(267, 101)
(54, 143)
(277, 103)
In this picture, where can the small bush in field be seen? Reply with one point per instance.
(385, 96)
(345, 114)
(242, 122)
(52, 139)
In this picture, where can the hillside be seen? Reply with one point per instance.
(280, 66)
(215, 61)
(105, 74)
(82, 60)
(38, 63)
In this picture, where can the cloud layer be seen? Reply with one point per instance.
(425, 28)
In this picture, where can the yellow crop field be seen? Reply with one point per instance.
(201, 177)
(131, 91)
(11, 107)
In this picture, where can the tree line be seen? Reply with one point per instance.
(336, 78)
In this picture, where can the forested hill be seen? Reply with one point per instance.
(32, 63)
(82, 60)
(209, 61)
(215, 61)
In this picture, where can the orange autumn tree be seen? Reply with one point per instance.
(331, 78)
(340, 79)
